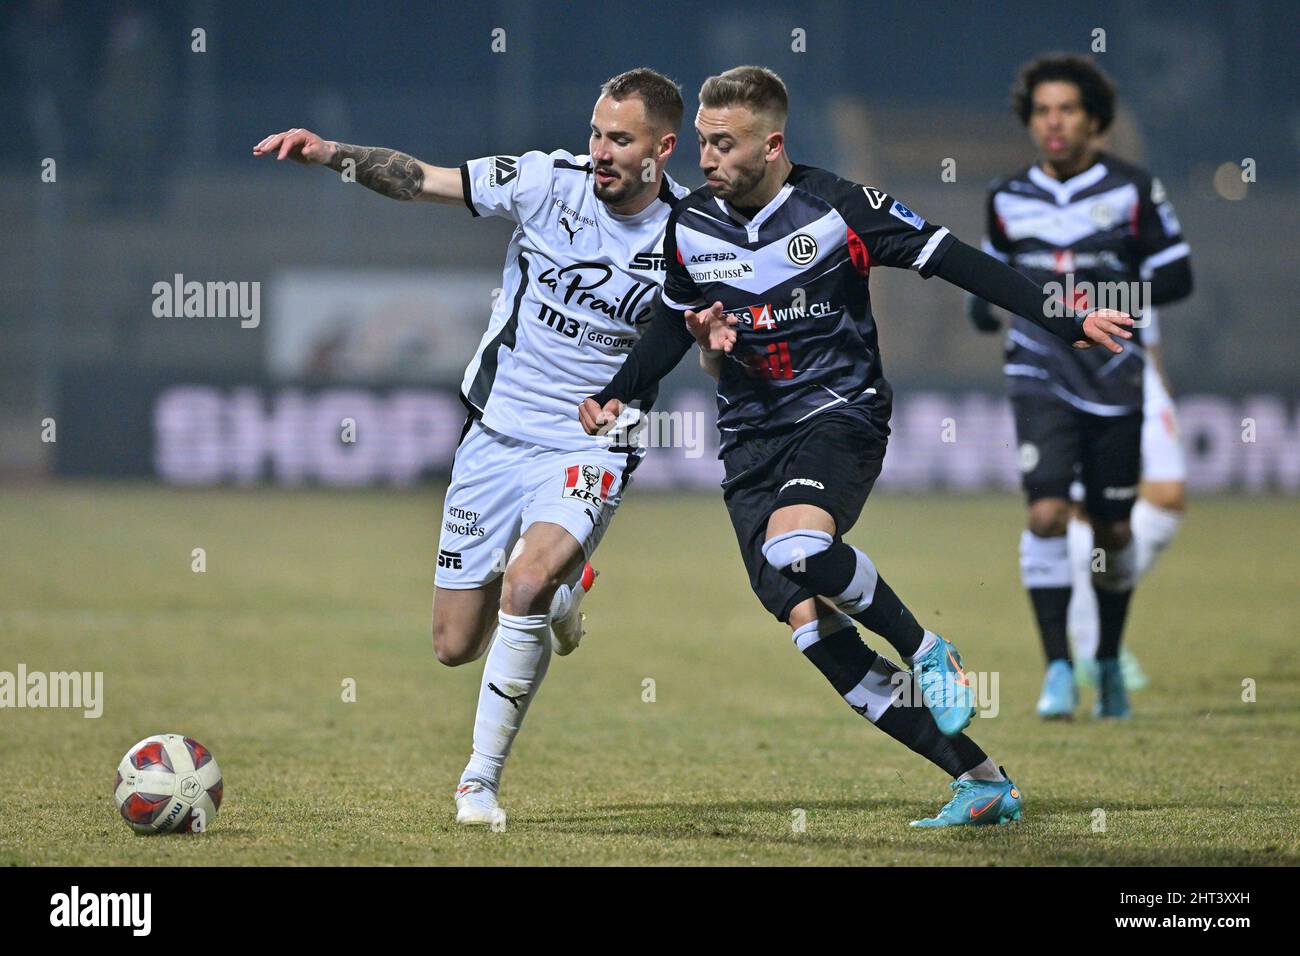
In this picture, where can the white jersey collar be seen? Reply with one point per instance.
(650, 211)
(763, 215)
(1063, 191)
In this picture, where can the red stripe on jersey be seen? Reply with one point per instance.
(571, 476)
(606, 480)
(858, 253)
(680, 260)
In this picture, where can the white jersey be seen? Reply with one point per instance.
(578, 287)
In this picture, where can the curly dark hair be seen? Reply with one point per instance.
(1096, 89)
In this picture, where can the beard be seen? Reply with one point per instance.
(743, 182)
(616, 192)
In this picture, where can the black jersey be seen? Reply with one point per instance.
(1097, 234)
(795, 275)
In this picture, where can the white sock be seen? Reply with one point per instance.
(512, 675)
(1082, 621)
(928, 640)
(1044, 562)
(987, 770)
(1153, 529)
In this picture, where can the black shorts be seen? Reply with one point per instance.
(831, 462)
(1058, 444)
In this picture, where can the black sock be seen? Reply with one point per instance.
(890, 618)
(842, 658)
(915, 727)
(1112, 612)
(1050, 608)
(830, 572)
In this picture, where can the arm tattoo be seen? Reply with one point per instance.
(386, 171)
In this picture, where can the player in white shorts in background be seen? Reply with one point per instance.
(531, 493)
(1157, 514)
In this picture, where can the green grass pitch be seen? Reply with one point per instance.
(305, 589)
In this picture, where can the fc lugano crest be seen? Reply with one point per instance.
(801, 249)
(588, 483)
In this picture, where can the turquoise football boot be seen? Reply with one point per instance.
(978, 803)
(945, 688)
(1135, 678)
(1059, 696)
(1112, 697)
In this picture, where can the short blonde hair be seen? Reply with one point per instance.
(755, 87)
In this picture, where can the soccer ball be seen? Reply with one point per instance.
(168, 784)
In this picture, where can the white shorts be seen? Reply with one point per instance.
(1162, 449)
(500, 486)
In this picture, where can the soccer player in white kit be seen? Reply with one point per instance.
(531, 493)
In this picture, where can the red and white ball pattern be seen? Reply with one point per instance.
(168, 784)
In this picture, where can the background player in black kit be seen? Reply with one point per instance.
(783, 253)
(1080, 218)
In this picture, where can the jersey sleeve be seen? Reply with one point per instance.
(885, 232)
(513, 187)
(995, 241)
(680, 291)
(656, 353)
(1159, 234)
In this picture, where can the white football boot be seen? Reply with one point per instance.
(476, 805)
(567, 629)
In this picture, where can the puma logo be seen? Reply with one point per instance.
(514, 701)
(570, 230)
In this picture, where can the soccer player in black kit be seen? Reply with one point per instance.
(768, 263)
(1086, 220)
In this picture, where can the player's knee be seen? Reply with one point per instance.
(1168, 496)
(450, 645)
(816, 561)
(793, 550)
(527, 588)
(1111, 535)
(1049, 517)
(802, 614)
(1116, 568)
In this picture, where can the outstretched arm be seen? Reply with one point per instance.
(388, 172)
(984, 276)
(885, 232)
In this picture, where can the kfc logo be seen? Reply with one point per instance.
(587, 483)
